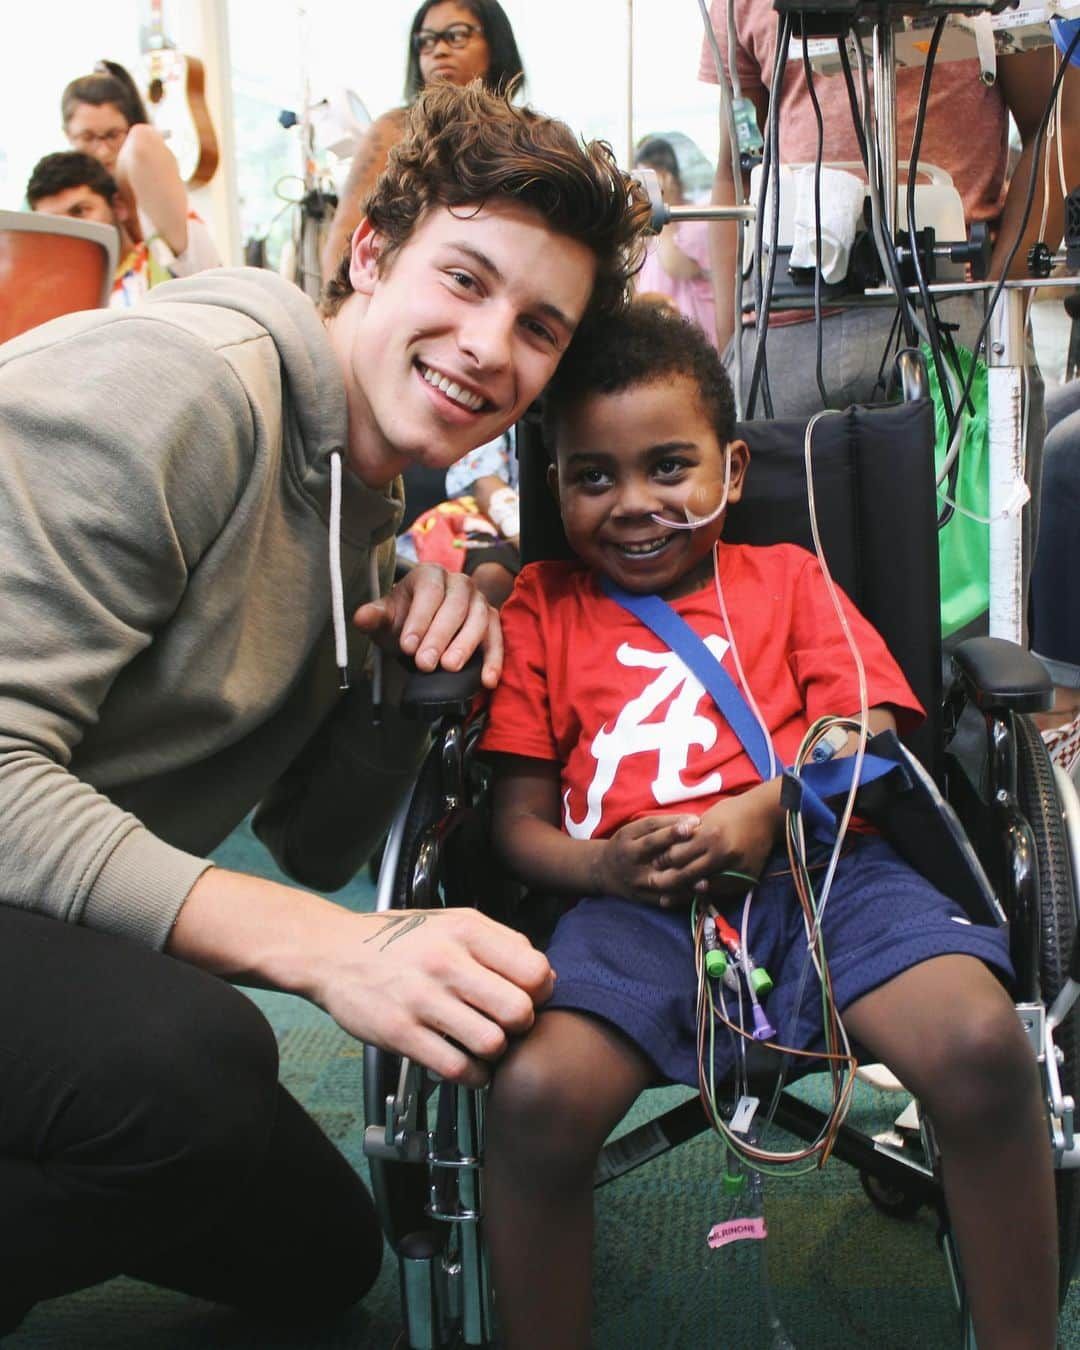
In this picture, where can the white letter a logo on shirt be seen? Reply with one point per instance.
(671, 738)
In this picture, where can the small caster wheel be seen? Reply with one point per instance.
(894, 1201)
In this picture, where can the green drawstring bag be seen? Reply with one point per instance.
(963, 543)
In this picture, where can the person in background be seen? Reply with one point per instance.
(677, 264)
(104, 116)
(450, 41)
(69, 183)
(966, 134)
(477, 528)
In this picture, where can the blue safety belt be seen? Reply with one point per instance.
(804, 791)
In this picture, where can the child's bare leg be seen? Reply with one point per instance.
(951, 1034)
(555, 1098)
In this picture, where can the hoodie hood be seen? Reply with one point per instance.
(315, 396)
(315, 389)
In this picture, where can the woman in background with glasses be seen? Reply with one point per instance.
(104, 116)
(452, 41)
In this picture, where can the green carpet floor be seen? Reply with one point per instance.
(843, 1276)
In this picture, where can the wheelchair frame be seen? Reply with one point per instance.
(426, 1173)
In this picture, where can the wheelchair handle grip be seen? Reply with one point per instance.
(431, 694)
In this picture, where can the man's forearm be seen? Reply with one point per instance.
(443, 986)
(257, 931)
(723, 259)
(1026, 80)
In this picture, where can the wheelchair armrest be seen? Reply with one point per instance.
(431, 694)
(999, 674)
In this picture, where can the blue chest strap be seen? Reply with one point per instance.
(805, 791)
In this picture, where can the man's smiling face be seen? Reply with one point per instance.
(447, 341)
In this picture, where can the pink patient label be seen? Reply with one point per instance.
(720, 1234)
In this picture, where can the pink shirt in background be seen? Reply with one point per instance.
(694, 297)
(967, 123)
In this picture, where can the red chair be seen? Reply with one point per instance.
(50, 265)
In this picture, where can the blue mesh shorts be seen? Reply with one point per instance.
(633, 965)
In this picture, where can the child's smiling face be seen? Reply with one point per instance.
(624, 457)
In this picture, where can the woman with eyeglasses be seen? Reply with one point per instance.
(104, 116)
(450, 41)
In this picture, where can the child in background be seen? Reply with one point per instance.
(676, 267)
(618, 781)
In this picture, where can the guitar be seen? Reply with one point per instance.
(176, 95)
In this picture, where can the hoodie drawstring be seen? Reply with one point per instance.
(337, 588)
(337, 592)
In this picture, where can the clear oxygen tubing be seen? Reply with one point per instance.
(730, 89)
(813, 932)
(694, 521)
(860, 670)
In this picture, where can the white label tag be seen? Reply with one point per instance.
(744, 1114)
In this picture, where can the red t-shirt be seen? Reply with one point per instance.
(587, 685)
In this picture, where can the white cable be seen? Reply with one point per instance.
(1020, 497)
(738, 663)
(1051, 129)
(337, 590)
(1060, 143)
(864, 709)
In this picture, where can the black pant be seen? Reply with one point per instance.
(143, 1132)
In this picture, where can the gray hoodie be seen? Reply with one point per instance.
(165, 649)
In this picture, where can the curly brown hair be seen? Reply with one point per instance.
(643, 344)
(466, 146)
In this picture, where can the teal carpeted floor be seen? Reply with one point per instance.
(843, 1276)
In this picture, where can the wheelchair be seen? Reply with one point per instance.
(1012, 822)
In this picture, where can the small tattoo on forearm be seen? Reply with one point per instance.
(397, 925)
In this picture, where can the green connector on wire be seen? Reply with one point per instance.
(716, 963)
(760, 981)
(732, 1182)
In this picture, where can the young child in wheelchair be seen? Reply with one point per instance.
(619, 783)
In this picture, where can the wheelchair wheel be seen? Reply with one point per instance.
(401, 1189)
(428, 1198)
(440, 862)
(1038, 798)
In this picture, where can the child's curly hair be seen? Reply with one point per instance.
(466, 146)
(644, 344)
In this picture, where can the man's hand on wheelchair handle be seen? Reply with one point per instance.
(437, 618)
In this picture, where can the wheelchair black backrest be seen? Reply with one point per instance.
(877, 517)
